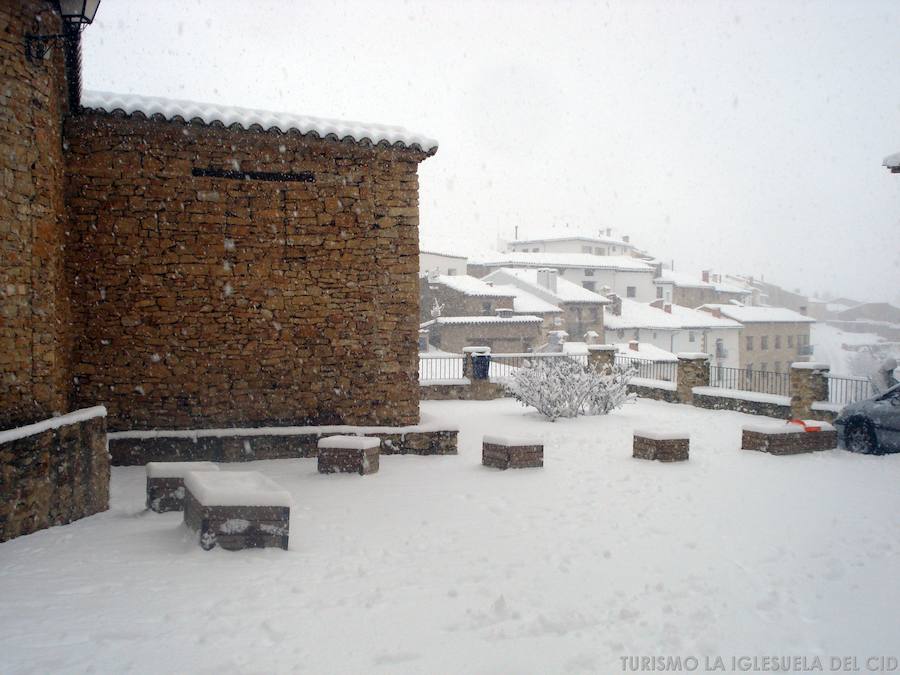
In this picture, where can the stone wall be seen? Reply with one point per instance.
(655, 393)
(127, 451)
(748, 406)
(34, 340)
(477, 390)
(511, 336)
(205, 302)
(54, 473)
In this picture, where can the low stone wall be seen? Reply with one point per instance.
(782, 412)
(478, 390)
(246, 445)
(656, 393)
(53, 472)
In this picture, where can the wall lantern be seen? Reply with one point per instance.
(76, 14)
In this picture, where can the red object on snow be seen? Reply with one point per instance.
(807, 426)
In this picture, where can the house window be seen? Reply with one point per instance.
(691, 336)
(659, 291)
(450, 271)
(764, 343)
(749, 343)
(586, 249)
(777, 342)
(637, 334)
(601, 251)
(589, 285)
(620, 333)
(655, 335)
(486, 308)
(589, 273)
(557, 321)
(630, 291)
(790, 340)
(762, 366)
(749, 368)
(535, 250)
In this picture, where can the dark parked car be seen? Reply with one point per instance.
(873, 425)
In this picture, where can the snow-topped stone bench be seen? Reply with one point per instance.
(663, 446)
(236, 510)
(349, 454)
(788, 438)
(165, 483)
(501, 452)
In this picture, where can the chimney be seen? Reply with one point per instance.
(591, 337)
(659, 303)
(547, 279)
(717, 312)
(608, 231)
(634, 345)
(556, 339)
(616, 307)
(705, 276)
(626, 238)
(667, 308)
(504, 312)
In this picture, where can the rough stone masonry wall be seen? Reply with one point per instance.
(34, 340)
(53, 477)
(206, 302)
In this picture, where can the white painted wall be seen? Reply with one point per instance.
(680, 341)
(443, 264)
(574, 246)
(617, 280)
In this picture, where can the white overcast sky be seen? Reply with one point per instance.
(743, 136)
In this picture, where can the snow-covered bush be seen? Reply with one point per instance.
(562, 387)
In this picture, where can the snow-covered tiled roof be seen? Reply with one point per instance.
(585, 260)
(644, 315)
(892, 162)
(440, 253)
(527, 303)
(471, 286)
(566, 291)
(594, 240)
(453, 320)
(214, 114)
(746, 314)
(685, 280)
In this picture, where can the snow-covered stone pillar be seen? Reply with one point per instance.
(600, 356)
(469, 354)
(693, 371)
(809, 383)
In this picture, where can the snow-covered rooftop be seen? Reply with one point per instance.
(525, 302)
(566, 291)
(215, 114)
(644, 315)
(585, 260)
(893, 162)
(647, 351)
(442, 254)
(685, 280)
(458, 320)
(594, 240)
(471, 286)
(746, 314)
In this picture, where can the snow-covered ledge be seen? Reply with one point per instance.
(52, 423)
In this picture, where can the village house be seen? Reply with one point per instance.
(625, 276)
(687, 290)
(441, 263)
(674, 329)
(771, 337)
(193, 265)
(581, 310)
(604, 244)
(892, 162)
(502, 334)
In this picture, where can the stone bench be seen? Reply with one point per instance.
(663, 446)
(349, 454)
(512, 453)
(237, 510)
(165, 483)
(788, 439)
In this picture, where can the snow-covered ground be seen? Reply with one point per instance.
(850, 354)
(439, 565)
